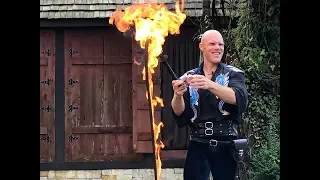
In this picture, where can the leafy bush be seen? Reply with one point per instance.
(266, 161)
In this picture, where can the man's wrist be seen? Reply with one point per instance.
(178, 97)
(212, 86)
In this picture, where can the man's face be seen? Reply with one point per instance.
(212, 47)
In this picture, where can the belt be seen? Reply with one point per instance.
(209, 132)
(211, 142)
(217, 124)
(207, 129)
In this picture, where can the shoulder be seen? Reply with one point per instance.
(233, 69)
(230, 74)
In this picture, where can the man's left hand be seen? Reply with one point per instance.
(199, 82)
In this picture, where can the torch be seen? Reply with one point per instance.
(163, 58)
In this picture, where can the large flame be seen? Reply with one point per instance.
(153, 22)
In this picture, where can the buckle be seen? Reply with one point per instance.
(213, 142)
(208, 128)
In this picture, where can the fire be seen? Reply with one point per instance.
(153, 22)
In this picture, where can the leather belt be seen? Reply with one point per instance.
(217, 124)
(209, 132)
(205, 129)
(211, 142)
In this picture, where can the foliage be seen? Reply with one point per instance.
(266, 160)
(254, 46)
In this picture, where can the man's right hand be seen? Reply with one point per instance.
(179, 87)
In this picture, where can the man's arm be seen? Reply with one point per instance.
(178, 104)
(226, 94)
(236, 92)
(180, 112)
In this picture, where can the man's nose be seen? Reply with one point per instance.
(216, 46)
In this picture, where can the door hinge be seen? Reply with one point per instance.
(71, 52)
(48, 52)
(48, 81)
(71, 138)
(46, 138)
(48, 108)
(71, 108)
(73, 81)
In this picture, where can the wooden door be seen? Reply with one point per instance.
(47, 95)
(98, 96)
(118, 94)
(142, 137)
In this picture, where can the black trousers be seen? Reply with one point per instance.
(203, 158)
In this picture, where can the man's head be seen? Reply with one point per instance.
(212, 46)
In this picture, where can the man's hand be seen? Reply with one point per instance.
(179, 87)
(199, 82)
(177, 103)
(224, 93)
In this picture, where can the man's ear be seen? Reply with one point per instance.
(201, 46)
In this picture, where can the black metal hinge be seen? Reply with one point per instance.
(73, 81)
(48, 52)
(48, 81)
(46, 138)
(71, 52)
(71, 138)
(48, 108)
(71, 108)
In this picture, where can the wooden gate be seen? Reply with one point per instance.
(98, 122)
(47, 95)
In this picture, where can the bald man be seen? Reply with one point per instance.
(211, 99)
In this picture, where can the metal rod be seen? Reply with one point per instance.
(150, 109)
(163, 59)
(170, 70)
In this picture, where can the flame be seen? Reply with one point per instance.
(153, 22)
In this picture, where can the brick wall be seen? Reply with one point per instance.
(114, 174)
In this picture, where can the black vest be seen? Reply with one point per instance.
(211, 121)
